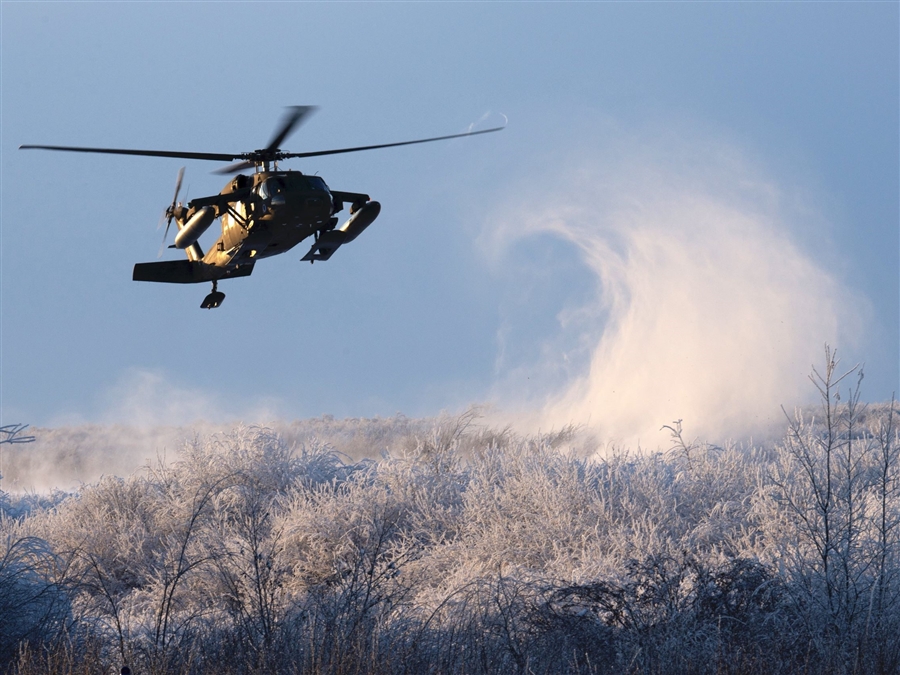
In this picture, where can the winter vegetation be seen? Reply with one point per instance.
(67, 456)
(464, 549)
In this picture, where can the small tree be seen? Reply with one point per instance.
(835, 533)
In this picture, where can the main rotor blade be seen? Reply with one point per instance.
(251, 159)
(234, 168)
(320, 153)
(294, 117)
(213, 156)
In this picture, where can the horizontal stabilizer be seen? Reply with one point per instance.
(186, 272)
(327, 243)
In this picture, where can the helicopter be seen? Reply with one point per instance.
(262, 214)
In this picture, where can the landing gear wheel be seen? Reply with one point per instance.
(214, 299)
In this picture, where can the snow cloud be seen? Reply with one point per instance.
(705, 307)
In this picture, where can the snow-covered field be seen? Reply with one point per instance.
(447, 546)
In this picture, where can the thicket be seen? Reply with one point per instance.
(473, 552)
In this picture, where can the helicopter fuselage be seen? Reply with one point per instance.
(280, 210)
(261, 215)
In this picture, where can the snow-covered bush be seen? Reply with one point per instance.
(34, 604)
(465, 550)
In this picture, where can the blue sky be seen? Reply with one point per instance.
(436, 306)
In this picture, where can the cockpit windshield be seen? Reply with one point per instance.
(290, 182)
(316, 183)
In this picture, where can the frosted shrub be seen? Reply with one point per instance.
(34, 604)
(527, 506)
(470, 550)
(673, 614)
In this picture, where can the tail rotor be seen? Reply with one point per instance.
(170, 211)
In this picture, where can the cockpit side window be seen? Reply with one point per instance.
(271, 187)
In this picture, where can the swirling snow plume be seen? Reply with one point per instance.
(705, 307)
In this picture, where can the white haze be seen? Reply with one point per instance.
(706, 307)
(142, 416)
(149, 398)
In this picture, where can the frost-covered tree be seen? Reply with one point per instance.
(830, 513)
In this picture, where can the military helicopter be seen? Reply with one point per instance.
(263, 214)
